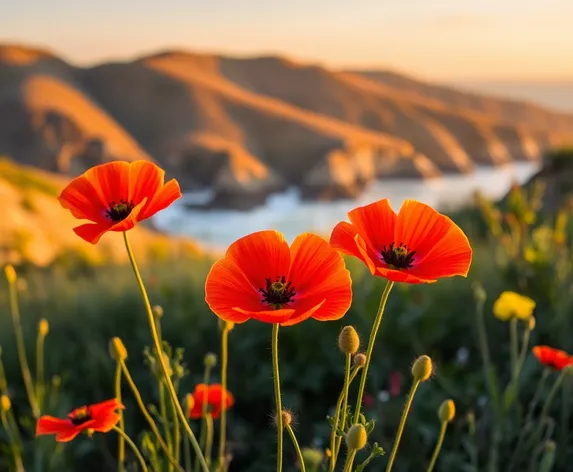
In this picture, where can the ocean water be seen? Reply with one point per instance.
(287, 213)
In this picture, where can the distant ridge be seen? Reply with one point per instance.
(246, 127)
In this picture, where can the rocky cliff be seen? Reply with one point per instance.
(249, 127)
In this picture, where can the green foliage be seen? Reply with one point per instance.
(515, 248)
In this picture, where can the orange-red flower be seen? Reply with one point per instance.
(552, 357)
(100, 417)
(116, 195)
(214, 396)
(417, 245)
(260, 277)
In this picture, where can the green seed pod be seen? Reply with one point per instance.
(422, 368)
(447, 411)
(210, 360)
(348, 340)
(356, 437)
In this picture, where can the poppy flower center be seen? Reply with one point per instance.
(80, 416)
(278, 293)
(398, 257)
(119, 211)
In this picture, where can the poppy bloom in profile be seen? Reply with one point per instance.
(116, 195)
(260, 277)
(551, 357)
(100, 417)
(214, 396)
(417, 245)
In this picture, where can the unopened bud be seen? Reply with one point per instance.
(447, 411)
(531, 323)
(286, 417)
(157, 311)
(356, 437)
(10, 273)
(189, 403)
(117, 350)
(348, 340)
(360, 360)
(210, 360)
(568, 370)
(43, 327)
(312, 458)
(5, 403)
(422, 368)
(226, 325)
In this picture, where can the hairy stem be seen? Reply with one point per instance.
(279, 415)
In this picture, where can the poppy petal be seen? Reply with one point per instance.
(320, 277)
(304, 310)
(346, 239)
(105, 407)
(227, 287)
(83, 201)
(162, 199)
(261, 255)
(145, 180)
(69, 434)
(401, 276)
(51, 425)
(111, 181)
(105, 423)
(267, 316)
(365, 253)
(375, 223)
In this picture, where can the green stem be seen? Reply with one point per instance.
(187, 455)
(547, 405)
(21, 348)
(485, 354)
(370, 348)
(164, 419)
(438, 446)
(40, 381)
(146, 414)
(279, 408)
(514, 346)
(133, 447)
(349, 461)
(176, 430)
(121, 440)
(223, 420)
(296, 446)
(13, 446)
(343, 397)
(524, 350)
(402, 424)
(204, 405)
(209, 442)
(160, 356)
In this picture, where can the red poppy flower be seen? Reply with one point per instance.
(417, 245)
(100, 417)
(551, 357)
(215, 397)
(260, 277)
(116, 195)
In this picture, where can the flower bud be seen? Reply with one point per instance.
(422, 368)
(447, 411)
(210, 360)
(360, 360)
(312, 458)
(568, 370)
(189, 403)
(348, 340)
(226, 325)
(10, 273)
(117, 350)
(531, 323)
(356, 437)
(157, 311)
(286, 417)
(5, 403)
(43, 327)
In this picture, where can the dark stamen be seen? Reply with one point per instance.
(119, 211)
(80, 416)
(398, 257)
(278, 293)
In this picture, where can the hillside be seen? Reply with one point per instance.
(249, 127)
(35, 228)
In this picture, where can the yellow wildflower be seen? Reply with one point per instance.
(512, 305)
